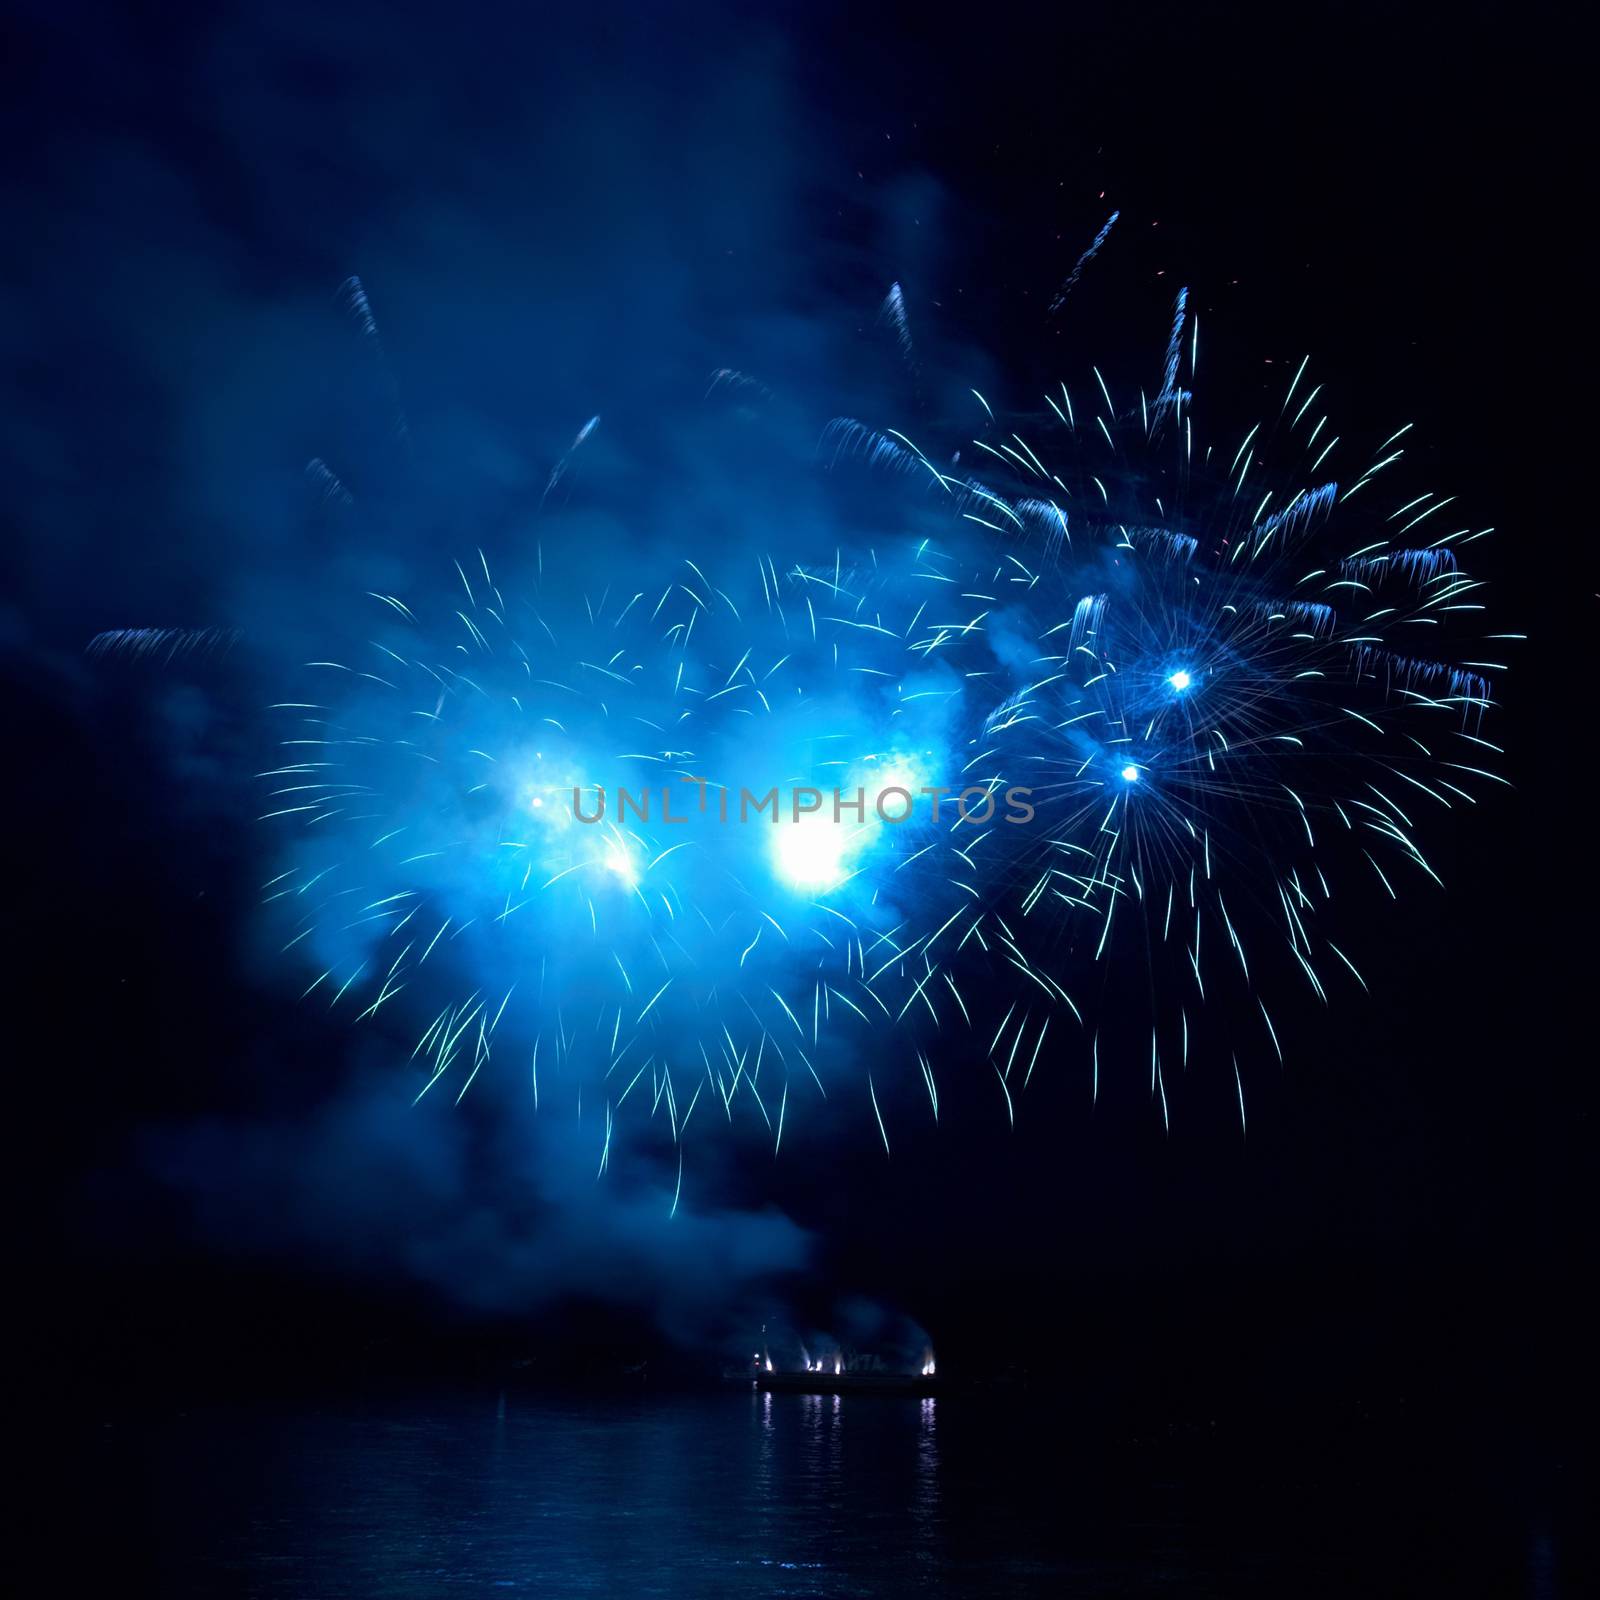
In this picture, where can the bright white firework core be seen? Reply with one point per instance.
(1180, 680)
(1130, 773)
(619, 860)
(811, 853)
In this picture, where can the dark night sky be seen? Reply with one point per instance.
(571, 213)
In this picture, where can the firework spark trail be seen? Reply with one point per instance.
(1071, 280)
(730, 380)
(559, 471)
(1171, 397)
(353, 296)
(327, 483)
(161, 644)
(893, 311)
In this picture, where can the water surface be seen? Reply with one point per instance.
(732, 1492)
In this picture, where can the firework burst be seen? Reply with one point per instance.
(1236, 687)
(596, 835)
(1166, 716)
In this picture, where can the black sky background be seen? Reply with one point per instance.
(564, 213)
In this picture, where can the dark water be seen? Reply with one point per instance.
(735, 1493)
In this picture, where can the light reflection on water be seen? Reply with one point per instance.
(925, 1502)
(709, 1494)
